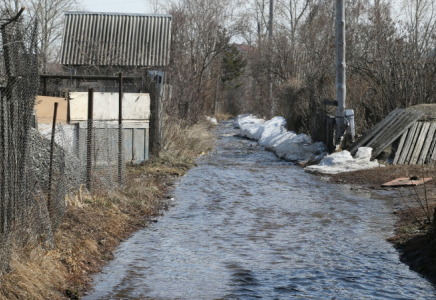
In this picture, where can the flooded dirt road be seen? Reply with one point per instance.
(246, 225)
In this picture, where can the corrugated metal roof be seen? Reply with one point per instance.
(116, 39)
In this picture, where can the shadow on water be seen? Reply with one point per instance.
(246, 225)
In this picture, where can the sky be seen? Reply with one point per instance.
(126, 6)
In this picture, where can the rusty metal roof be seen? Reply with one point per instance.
(115, 39)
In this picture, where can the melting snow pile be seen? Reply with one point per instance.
(272, 134)
(340, 162)
(300, 148)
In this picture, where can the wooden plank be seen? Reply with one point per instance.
(400, 147)
(407, 144)
(374, 130)
(389, 130)
(392, 124)
(427, 144)
(419, 143)
(389, 137)
(432, 154)
(413, 145)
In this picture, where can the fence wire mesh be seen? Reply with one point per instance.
(38, 177)
(19, 201)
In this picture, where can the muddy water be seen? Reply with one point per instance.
(245, 225)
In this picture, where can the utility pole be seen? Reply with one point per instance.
(340, 69)
(270, 34)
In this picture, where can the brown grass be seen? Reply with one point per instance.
(93, 226)
(223, 116)
(36, 274)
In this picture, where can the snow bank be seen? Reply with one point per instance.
(243, 119)
(250, 126)
(300, 148)
(274, 137)
(340, 162)
(271, 129)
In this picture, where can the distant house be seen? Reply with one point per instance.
(97, 46)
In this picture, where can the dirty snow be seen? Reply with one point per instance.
(212, 120)
(300, 148)
(274, 136)
(340, 162)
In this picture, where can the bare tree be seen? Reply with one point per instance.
(49, 15)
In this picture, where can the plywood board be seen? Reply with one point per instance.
(406, 181)
(44, 107)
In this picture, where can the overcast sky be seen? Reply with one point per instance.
(126, 6)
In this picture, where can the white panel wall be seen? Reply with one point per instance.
(136, 107)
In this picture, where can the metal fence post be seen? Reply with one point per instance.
(50, 174)
(89, 140)
(120, 130)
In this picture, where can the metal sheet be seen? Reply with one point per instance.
(139, 144)
(116, 39)
(136, 106)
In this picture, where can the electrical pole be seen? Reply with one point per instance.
(270, 34)
(340, 69)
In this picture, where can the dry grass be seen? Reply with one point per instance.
(93, 226)
(184, 143)
(36, 274)
(221, 117)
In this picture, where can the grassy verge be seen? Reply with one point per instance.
(94, 226)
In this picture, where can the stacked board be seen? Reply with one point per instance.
(387, 131)
(417, 145)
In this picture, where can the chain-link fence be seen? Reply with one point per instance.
(41, 168)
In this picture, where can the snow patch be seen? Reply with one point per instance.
(300, 148)
(212, 120)
(340, 162)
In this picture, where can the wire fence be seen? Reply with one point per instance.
(19, 201)
(40, 168)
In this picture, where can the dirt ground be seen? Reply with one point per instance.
(415, 237)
